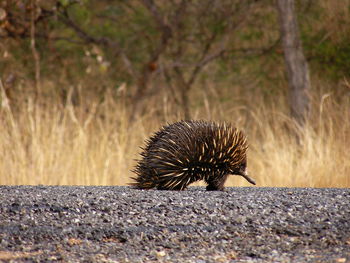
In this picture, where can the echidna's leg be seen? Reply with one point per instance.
(212, 187)
(216, 184)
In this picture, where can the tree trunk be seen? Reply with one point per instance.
(297, 67)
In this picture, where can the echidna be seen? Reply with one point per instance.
(187, 151)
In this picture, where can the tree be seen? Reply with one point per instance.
(157, 47)
(296, 64)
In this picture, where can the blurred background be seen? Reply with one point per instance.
(84, 82)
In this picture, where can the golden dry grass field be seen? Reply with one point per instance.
(94, 144)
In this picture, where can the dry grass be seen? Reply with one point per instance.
(93, 143)
(319, 159)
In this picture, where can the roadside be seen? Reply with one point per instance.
(121, 224)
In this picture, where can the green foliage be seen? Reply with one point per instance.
(328, 57)
(81, 13)
(251, 35)
(131, 30)
(325, 37)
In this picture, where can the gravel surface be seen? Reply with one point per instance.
(120, 224)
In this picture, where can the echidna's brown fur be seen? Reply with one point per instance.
(187, 151)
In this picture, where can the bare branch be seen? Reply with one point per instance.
(85, 36)
(64, 17)
(166, 31)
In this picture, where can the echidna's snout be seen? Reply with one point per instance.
(244, 173)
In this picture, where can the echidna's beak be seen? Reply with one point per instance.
(246, 176)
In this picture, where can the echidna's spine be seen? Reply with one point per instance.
(187, 151)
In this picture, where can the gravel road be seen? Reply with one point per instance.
(121, 224)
